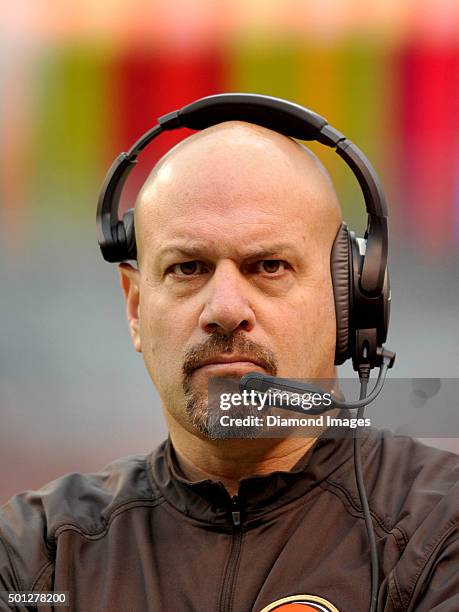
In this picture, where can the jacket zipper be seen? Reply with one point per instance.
(228, 583)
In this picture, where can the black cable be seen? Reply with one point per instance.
(364, 372)
(365, 399)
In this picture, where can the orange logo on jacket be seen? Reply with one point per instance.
(301, 603)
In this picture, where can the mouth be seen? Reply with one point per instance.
(237, 366)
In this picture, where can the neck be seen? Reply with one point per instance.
(228, 461)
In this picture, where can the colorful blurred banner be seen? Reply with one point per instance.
(81, 82)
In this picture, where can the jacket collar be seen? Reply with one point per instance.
(259, 495)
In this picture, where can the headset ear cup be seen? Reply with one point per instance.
(340, 273)
(128, 222)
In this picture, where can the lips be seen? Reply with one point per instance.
(224, 359)
(234, 363)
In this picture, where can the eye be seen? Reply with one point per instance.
(188, 268)
(270, 266)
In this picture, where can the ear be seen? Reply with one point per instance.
(130, 281)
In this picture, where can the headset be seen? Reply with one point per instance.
(358, 265)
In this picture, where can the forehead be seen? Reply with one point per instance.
(227, 225)
(230, 196)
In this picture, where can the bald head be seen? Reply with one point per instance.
(236, 164)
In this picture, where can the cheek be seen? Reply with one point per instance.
(320, 309)
(163, 335)
(305, 327)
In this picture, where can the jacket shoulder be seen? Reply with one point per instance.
(415, 489)
(408, 483)
(410, 480)
(29, 521)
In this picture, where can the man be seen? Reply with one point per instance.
(234, 231)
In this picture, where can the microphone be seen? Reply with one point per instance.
(263, 384)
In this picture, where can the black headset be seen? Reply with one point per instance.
(358, 265)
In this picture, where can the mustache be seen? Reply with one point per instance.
(217, 344)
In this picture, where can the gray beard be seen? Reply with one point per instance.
(207, 420)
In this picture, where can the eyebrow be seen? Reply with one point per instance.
(197, 249)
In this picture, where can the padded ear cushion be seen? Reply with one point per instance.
(131, 246)
(340, 272)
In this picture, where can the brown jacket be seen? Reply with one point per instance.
(139, 536)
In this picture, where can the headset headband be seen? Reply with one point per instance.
(273, 113)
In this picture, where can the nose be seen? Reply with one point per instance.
(227, 306)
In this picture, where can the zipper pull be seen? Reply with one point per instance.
(235, 511)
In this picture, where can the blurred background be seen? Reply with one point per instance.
(80, 81)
